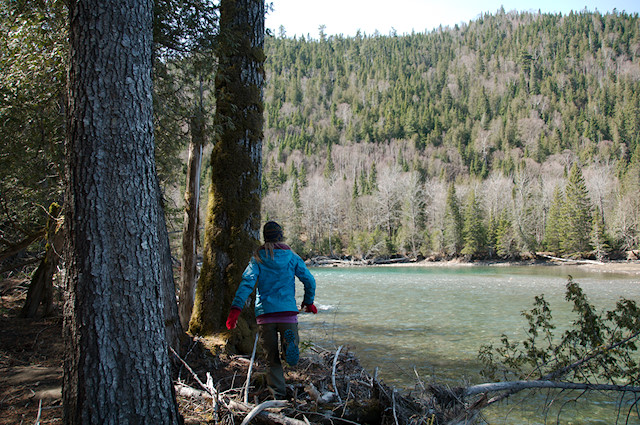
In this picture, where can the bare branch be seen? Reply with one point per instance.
(515, 386)
(253, 356)
(333, 374)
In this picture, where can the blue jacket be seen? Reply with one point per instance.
(276, 282)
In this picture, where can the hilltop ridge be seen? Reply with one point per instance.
(364, 135)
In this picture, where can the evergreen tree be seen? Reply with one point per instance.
(492, 235)
(372, 184)
(453, 224)
(329, 168)
(576, 214)
(295, 194)
(355, 193)
(506, 243)
(33, 61)
(364, 183)
(303, 175)
(474, 231)
(116, 361)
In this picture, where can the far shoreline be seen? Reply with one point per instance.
(631, 267)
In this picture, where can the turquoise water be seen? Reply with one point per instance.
(435, 319)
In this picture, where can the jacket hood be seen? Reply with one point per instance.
(281, 258)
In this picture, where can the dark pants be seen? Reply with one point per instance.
(271, 344)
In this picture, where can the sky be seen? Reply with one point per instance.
(346, 17)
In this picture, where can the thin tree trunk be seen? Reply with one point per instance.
(41, 286)
(191, 216)
(173, 329)
(233, 216)
(116, 364)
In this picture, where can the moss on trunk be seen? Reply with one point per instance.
(233, 213)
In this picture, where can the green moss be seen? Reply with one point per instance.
(233, 213)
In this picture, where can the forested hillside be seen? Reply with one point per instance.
(516, 133)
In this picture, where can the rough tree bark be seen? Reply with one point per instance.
(191, 216)
(233, 220)
(116, 364)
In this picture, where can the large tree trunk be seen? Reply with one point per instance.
(116, 364)
(191, 215)
(233, 220)
(41, 286)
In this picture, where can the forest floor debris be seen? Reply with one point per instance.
(325, 387)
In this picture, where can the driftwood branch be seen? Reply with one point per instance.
(212, 390)
(333, 374)
(549, 378)
(253, 356)
(372, 395)
(332, 261)
(259, 408)
(187, 391)
(393, 397)
(516, 386)
(269, 416)
(195, 376)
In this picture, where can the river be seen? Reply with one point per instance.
(435, 319)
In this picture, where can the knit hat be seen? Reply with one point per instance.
(272, 232)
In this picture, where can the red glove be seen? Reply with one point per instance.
(309, 308)
(232, 320)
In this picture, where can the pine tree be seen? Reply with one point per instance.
(303, 175)
(453, 225)
(576, 217)
(506, 245)
(373, 179)
(364, 183)
(295, 194)
(116, 362)
(329, 168)
(492, 235)
(474, 232)
(355, 193)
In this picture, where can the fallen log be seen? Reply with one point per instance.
(383, 261)
(525, 385)
(187, 391)
(569, 260)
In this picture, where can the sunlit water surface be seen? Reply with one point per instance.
(435, 319)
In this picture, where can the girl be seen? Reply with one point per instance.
(274, 268)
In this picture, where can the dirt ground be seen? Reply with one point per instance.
(31, 353)
(30, 361)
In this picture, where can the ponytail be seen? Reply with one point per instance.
(268, 247)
